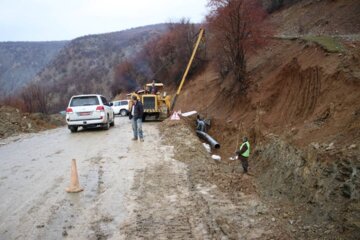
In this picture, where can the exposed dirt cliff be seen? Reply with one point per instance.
(302, 116)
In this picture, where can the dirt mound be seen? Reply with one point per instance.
(313, 192)
(319, 182)
(13, 121)
(301, 114)
(227, 176)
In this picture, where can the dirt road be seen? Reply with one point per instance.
(131, 190)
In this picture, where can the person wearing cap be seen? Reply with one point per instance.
(244, 153)
(136, 115)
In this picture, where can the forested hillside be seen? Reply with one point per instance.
(21, 61)
(87, 64)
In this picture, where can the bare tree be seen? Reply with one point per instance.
(168, 55)
(234, 29)
(35, 98)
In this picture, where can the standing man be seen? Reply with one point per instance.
(136, 116)
(244, 153)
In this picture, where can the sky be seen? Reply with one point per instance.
(50, 20)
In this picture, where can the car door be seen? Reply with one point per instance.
(108, 108)
(124, 105)
(116, 107)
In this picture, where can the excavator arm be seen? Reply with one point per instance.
(200, 36)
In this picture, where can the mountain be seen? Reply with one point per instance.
(21, 61)
(86, 64)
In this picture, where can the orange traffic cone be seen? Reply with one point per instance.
(74, 185)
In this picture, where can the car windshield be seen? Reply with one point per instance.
(84, 101)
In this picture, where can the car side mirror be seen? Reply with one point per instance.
(111, 104)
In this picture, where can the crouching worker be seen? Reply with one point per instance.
(200, 124)
(136, 115)
(244, 153)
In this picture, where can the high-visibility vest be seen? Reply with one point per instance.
(247, 152)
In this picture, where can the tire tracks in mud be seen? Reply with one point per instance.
(171, 200)
(161, 203)
(75, 213)
(100, 226)
(300, 91)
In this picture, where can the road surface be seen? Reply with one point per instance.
(132, 189)
(35, 170)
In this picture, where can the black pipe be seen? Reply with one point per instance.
(213, 143)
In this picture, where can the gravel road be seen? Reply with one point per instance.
(132, 190)
(35, 170)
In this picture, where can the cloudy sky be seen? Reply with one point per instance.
(46, 20)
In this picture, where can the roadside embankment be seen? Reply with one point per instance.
(13, 121)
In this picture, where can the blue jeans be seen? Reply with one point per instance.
(137, 127)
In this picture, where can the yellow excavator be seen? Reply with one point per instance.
(155, 100)
(200, 37)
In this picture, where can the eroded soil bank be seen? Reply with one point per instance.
(309, 193)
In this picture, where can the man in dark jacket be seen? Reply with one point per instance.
(136, 115)
(243, 154)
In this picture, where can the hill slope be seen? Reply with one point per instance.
(21, 61)
(86, 64)
(302, 116)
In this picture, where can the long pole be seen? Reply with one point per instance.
(201, 33)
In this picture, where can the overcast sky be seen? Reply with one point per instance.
(47, 20)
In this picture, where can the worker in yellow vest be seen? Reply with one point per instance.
(244, 153)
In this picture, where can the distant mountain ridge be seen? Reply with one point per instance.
(21, 61)
(87, 64)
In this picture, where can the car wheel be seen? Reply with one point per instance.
(123, 112)
(107, 124)
(113, 121)
(73, 129)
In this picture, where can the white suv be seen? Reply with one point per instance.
(121, 107)
(87, 111)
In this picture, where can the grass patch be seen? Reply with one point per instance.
(329, 44)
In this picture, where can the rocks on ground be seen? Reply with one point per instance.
(13, 121)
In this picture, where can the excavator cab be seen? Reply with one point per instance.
(154, 88)
(155, 101)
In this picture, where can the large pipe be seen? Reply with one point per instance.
(213, 143)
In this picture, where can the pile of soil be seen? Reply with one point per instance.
(13, 121)
(301, 114)
(249, 216)
(226, 174)
(309, 193)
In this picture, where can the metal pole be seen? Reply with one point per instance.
(201, 33)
